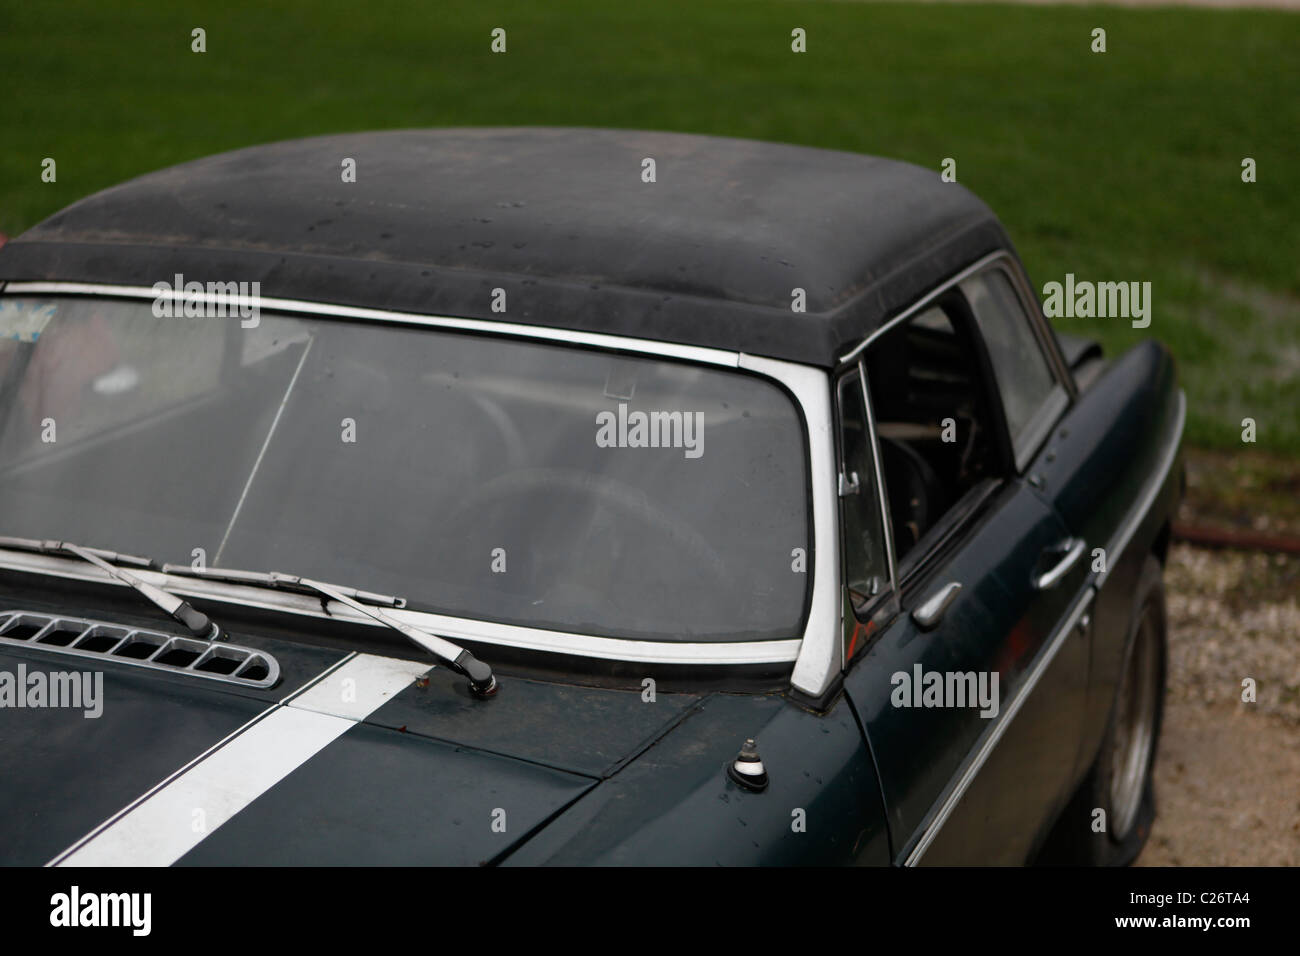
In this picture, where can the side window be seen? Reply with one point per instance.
(866, 564)
(1031, 397)
(934, 422)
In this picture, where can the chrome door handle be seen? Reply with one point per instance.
(1074, 551)
(932, 609)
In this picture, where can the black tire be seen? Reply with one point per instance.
(1074, 840)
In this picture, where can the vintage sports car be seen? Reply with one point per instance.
(524, 496)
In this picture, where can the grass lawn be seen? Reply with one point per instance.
(1117, 166)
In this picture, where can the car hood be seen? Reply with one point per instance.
(351, 759)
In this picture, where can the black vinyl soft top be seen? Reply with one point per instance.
(708, 254)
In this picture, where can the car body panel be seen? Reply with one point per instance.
(64, 773)
(155, 724)
(582, 730)
(377, 796)
(675, 803)
(1114, 474)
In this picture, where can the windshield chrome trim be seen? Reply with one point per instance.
(692, 353)
(508, 635)
(821, 655)
(817, 655)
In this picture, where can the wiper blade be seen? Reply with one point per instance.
(482, 682)
(274, 579)
(110, 562)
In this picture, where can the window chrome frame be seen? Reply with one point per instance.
(816, 656)
(881, 504)
(1019, 281)
(1041, 425)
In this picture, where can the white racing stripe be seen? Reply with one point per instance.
(174, 817)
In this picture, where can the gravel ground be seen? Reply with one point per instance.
(1228, 772)
(1234, 615)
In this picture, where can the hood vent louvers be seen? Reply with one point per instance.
(100, 640)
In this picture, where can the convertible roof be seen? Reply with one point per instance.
(707, 254)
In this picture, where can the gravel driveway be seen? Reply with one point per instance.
(1228, 772)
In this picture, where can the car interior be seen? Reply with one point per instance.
(934, 420)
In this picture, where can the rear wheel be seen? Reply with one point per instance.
(1120, 781)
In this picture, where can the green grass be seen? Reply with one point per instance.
(1123, 165)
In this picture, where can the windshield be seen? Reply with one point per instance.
(477, 476)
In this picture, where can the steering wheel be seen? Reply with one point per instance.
(915, 492)
(490, 412)
(616, 494)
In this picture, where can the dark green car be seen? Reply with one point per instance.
(526, 496)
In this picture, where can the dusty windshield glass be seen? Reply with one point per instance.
(480, 477)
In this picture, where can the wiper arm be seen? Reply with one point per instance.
(482, 683)
(110, 562)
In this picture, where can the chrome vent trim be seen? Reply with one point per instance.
(105, 641)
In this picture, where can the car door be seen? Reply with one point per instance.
(1099, 463)
(967, 781)
(1040, 747)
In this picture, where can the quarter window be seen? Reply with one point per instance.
(1031, 398)
(866, 564)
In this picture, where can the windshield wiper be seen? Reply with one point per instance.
(182, 611)
(482, 683)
